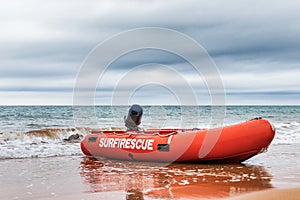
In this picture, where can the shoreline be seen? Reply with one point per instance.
(271, 194)
(80, 177)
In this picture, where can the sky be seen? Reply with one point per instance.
(255, 45)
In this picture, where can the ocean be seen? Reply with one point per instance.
(40, 156)
(45, 131)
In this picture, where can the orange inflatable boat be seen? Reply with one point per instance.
(234, 143)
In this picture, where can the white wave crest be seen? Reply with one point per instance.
(287, 133)
(41, 143)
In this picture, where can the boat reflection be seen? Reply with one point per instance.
(155, 180)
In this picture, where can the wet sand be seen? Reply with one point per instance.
(78, 177)
(274, 194)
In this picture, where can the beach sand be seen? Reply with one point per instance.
(273, 194)
(267, 176)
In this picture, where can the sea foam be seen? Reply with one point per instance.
(287, 133)
(41, 143)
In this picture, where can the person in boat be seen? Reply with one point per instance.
(134, 117)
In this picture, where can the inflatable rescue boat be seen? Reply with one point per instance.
(234, 143)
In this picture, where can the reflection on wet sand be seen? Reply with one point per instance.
(155, 180)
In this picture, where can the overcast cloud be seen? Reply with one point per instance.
(255, 45)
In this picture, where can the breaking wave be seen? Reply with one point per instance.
(45, 142)
(287, 133)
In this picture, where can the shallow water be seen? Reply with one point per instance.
(155, 180)
(80, 177)
(50, 177)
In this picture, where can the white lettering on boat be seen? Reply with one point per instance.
(127, 143)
